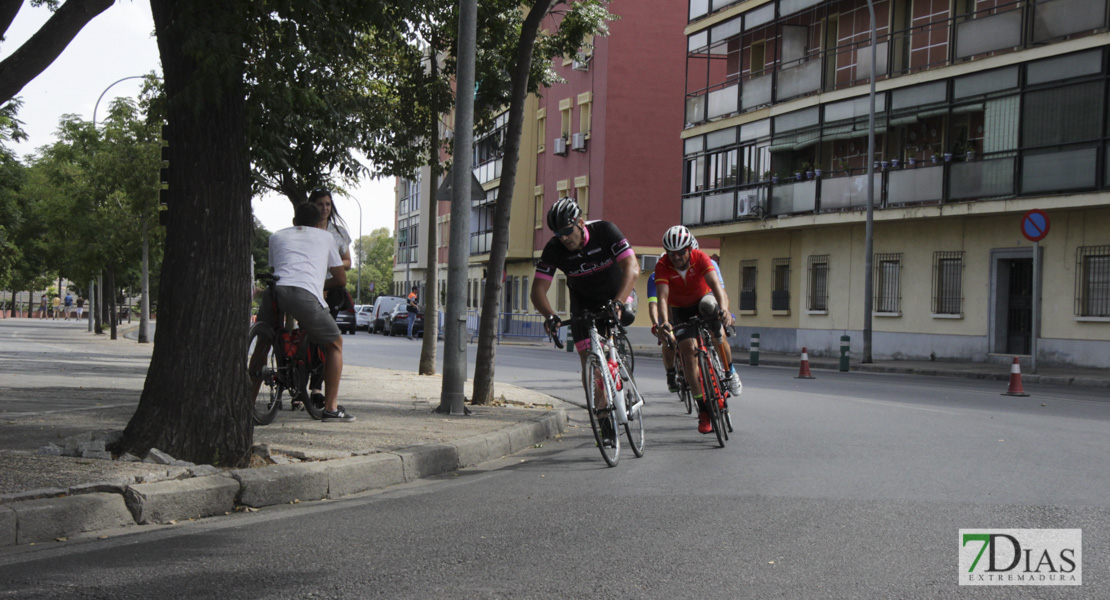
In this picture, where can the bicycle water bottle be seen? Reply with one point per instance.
(615, 372)
(618, 394)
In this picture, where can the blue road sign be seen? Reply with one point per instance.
(1035, 225)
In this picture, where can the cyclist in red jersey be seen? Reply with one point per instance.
(687, 285)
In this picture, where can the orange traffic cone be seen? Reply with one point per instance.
(1015, 380)
(803, 372)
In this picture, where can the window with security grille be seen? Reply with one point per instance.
(748, 274)
(888, 269)
(1092, 285)
(818, 298)
(948, 270)
(560, 294)
(780, 291)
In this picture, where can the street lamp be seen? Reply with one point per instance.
(358, 276)
(93, 305)
(869, 229)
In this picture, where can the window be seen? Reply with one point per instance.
(582, 194)
(524, 291)
(947, 282)
(539, 207)
(560, 294)
(410, 195)
(564, 117)
(1092, 281)
(408, 239)
(780, 291)
(584, 112)
(747, 284)
(541, 129)
(886, 283)
(818, 299)
(469, 295)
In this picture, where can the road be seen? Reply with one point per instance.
(846, 486)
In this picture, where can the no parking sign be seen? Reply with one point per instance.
(1035, 225)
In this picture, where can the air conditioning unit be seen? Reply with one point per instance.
(647, 263)
(578, 142)
(580, 64)
(559, 146)
(744, 206)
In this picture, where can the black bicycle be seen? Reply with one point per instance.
(280, 360)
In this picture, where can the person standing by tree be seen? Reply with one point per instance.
(412, 306)
(42, 307)
(300, 256)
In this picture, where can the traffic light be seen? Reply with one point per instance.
(164, 177)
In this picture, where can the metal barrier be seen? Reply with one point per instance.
(471, 325)
(509, 325)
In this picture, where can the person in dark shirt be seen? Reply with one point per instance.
(600, 267)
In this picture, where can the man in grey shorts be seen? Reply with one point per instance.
(300, 257)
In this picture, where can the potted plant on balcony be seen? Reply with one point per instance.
(808, 170)
(936, 157)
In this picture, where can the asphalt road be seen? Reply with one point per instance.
(846, 486)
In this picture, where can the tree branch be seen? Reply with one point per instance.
(39, 52)
(8, 10)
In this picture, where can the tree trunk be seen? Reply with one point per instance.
(113, 308)
(487, 334)
(144, 314)
(194, 405)
(431, 279)
(95, 305)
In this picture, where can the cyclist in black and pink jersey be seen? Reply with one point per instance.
(688, 286)
(599, 264)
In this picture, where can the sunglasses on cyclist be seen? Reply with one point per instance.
(565, 231)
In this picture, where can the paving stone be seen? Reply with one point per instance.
(282, 484)
(50, 518)
(158, 457)
(178, 500)
(356, 474)
(429, 459)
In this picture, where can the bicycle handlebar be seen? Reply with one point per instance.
(585, 316)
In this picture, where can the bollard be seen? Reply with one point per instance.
(753, 356)
(845, 342)
(570, 340)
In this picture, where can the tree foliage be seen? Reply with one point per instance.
(376, 263)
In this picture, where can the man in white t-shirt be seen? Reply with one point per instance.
(300, 257)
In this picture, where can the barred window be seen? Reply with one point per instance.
(818, 298)
(780, 291)
(887, 290)
(748, 274)
(1092, 281)
(948, 283)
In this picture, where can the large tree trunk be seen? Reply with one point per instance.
(194, 404)
(431, 279)
(487, 334)
(144, 313)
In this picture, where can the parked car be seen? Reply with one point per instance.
(346, 321)
(381, 307)
(362, 315)
(397, 322)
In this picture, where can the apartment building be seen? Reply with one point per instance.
(984, 110)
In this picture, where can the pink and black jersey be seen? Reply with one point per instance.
(593, 274)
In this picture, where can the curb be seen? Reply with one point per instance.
(41, 519)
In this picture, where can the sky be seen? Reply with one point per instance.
(120, 43)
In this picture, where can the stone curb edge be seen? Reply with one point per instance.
(57, 518)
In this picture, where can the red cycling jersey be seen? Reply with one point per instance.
(687, 288)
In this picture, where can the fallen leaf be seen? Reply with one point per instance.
(61, 539)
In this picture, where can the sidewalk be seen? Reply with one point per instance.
(396, 438)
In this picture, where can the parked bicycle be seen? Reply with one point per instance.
(610, 385)
(281, 360)
(714, 392)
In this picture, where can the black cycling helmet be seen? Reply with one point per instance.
(565, 212)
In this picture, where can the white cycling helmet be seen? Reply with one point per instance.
(677, 238)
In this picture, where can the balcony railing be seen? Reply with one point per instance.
(1038, 172)
(1002, 28)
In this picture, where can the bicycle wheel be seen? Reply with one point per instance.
(634, 428)
(686, 396)
(260, 352)
(595, 381)
(719, 375)
(624, 349)
(711, 394)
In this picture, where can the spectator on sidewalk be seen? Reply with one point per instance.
(412, 307)
(55, 307)
(42, 307)
(80, 307)
(68, 305)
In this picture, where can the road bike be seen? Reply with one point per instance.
(715, 393)
(280, 360)
(609, 385)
